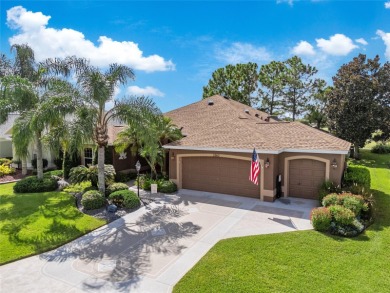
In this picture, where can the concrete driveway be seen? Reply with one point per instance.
(152, 248)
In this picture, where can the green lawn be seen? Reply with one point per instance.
(32, 223)
(303, 261)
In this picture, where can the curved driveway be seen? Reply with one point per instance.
(151, 249)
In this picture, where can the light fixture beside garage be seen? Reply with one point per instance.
(266, 164)
(172, 156)
(334, 164)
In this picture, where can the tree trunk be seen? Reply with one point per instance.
(39, 157)
(356, 151)
(101, 182)
(63, 163)
(24, 166)
(318, 124)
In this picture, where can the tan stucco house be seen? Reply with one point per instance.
(219, 136)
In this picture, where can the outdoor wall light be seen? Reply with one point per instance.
(266, 164)
(173, 156)
(334, 164)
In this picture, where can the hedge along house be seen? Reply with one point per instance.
(219, 136)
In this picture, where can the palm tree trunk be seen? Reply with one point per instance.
(101, 182)
(63, 163)
(39, 157)
(24, 166)
(356, 151)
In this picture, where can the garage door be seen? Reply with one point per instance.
(305, 178)
(220, 175)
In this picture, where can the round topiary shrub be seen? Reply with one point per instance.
(115, 187)
(321, 219)
(33, 184)
(353, 202)
(342, 215)
(93, 199)
(167, 186)
(125, 198)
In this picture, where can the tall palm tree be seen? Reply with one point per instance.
(97, 89)
(35, 91)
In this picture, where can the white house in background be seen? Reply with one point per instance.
(7, 148)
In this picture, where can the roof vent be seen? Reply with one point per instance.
(226, 97)
(211, 102)
(246, 111)
(257, 115)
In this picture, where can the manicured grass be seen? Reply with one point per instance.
(303, 261)
(32, 223)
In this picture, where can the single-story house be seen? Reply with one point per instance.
(216, 151)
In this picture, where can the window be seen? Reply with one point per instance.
(88, 156)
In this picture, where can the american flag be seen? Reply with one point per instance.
(255, 169)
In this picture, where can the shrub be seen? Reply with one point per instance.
(144, 182)
(321, 219)
(79, 187)
(125, 198)
(330, 199)
(33, 184)
(6, 170)
(82, 173)
(34, 163)
(353, 229)
(357, 175)
(326, 188)
(355, 203)
(166, 186)
(93, 199)
(342, 215)
(381, 148)
(58, 173)
(115, 187)
(123, 177)
(5, 161)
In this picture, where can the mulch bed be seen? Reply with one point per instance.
(102, 213)
(14, 177)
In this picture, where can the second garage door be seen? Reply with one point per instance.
(220, 175)
(305, 178)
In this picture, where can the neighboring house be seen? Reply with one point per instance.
(219, 136)
(7, 148)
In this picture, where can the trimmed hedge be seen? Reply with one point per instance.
(92, 200)
(125, 198)
(115, 187)
(321, 219)
(166, 186)
(342, 215)
(357, 175)
(58, 173)
(125, 177)
(32, 184)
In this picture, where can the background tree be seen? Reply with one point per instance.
(316, 112)
(353, 104)
(383, 114)
(299, 86)
(238, 82)
(271, 78)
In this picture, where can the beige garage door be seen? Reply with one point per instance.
(305, 177)
(220, 175)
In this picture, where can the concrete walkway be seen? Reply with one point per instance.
(151, 249)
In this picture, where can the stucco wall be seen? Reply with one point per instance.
(5, 148)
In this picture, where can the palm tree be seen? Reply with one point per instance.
(35, 91)
(149, 143)
(97, 89)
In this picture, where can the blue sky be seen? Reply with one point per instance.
(175, 46)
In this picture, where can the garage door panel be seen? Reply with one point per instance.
(219, 175)
(305, 176)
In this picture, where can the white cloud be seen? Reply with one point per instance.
(242, 53)
(337, 44)
(49, 42)
(303, 48)
(361, 41)
(386, 39)
(387, 5)
(147, 91)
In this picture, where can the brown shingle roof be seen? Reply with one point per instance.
(226, 126)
